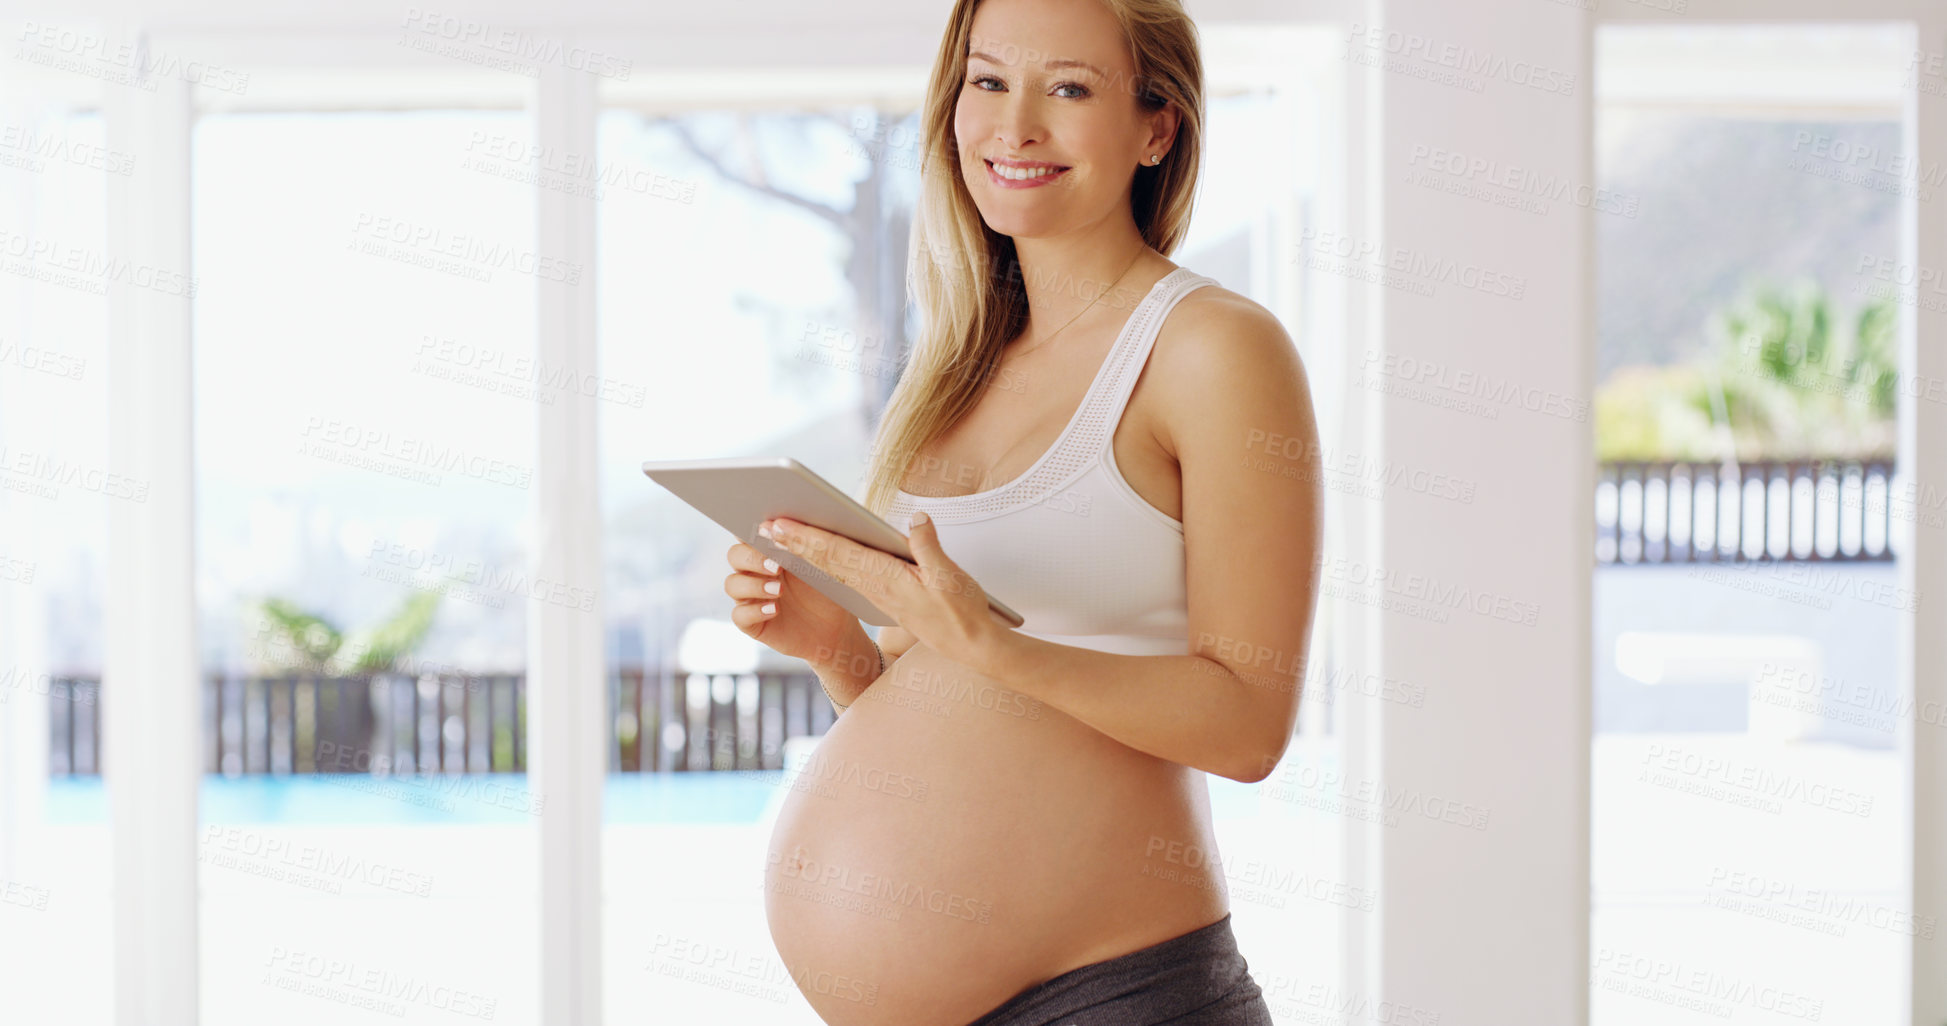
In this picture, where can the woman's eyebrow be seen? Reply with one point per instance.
(1049, 65)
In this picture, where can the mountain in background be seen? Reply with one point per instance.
(1724, 201)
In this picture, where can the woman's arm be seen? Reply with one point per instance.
(853, 667)
(1236, 413)
(895, 641)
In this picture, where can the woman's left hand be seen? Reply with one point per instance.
(939, 603)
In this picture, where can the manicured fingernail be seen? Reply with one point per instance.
(765, 530)
(773, 586)
(770, 565)
(769, 608)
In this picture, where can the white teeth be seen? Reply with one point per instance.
(1018, 174)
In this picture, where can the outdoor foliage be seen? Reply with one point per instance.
(1777, 381)
(300, 641)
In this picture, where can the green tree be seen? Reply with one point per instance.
(1776, 381)
(307, 642)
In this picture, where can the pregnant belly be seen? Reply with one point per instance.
(951, 843)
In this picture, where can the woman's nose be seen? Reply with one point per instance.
(1019, 123)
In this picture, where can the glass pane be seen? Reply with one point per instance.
(1748, 803)
(707, 340)
(55, 500)
(364, 333)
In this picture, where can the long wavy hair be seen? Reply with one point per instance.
(964, 276)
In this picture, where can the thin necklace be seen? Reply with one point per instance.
(1118, 280)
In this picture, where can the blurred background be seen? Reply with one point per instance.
(371, 222)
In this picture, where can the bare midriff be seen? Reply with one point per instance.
(953, 842)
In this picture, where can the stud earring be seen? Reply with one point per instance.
(1155, 158)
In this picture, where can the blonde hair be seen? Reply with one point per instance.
(959, 270)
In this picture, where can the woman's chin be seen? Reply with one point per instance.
(1013, 225)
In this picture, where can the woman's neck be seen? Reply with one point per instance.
(1061, 277)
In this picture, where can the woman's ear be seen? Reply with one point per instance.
(1162, 129)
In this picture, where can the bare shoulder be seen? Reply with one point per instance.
(1218, 346)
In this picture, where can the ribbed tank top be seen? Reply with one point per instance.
(1069, 544)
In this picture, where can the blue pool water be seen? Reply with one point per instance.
(715, 797)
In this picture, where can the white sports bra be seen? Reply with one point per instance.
(1069, 544)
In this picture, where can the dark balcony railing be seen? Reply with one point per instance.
(1797, 510)
(1662, 512)
(459, 723)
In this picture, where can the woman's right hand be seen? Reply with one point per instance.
(802, 623)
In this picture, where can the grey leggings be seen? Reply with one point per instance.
(1197, 979)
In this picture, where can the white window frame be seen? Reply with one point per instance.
(151, 630)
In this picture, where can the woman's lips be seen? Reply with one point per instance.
(1005, 182)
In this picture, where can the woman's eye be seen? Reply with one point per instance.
(979, 81)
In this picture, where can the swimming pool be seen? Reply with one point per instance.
(714, 797)
(721, 796)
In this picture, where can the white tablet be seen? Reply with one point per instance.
(740, 494)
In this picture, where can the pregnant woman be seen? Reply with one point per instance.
(1007, 827)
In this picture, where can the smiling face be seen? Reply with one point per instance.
(1048, 126)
